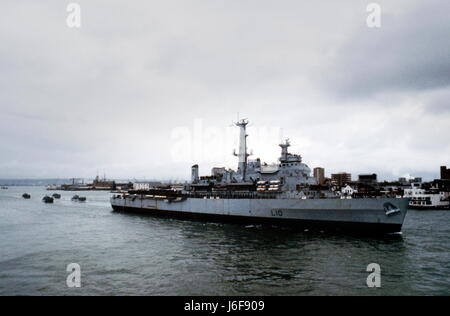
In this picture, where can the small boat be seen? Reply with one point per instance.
(77, 198)
(56, 196)
(4, 188)
(26, 196)
(47, 199)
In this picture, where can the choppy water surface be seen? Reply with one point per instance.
(123, 254)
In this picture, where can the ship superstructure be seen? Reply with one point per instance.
(290, 176)
(259, 193)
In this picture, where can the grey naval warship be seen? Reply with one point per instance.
(282, 194)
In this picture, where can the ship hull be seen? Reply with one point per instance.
(384, 215)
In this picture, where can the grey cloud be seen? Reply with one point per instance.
(108, 96)
(410, 52)
(439, 102)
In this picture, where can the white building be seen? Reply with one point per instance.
(348, 190)
(141, 186)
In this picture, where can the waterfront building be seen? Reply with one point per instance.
(319, 175)
(445, 173)
(370, 179)
(341, 179)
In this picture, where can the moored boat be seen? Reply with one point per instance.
(77, 198)
(432, 199)
(47, 199)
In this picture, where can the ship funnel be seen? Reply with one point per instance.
(194, 177)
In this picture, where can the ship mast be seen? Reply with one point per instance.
(284, 149)
(242, 155)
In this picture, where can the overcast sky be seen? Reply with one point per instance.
(144, 89)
